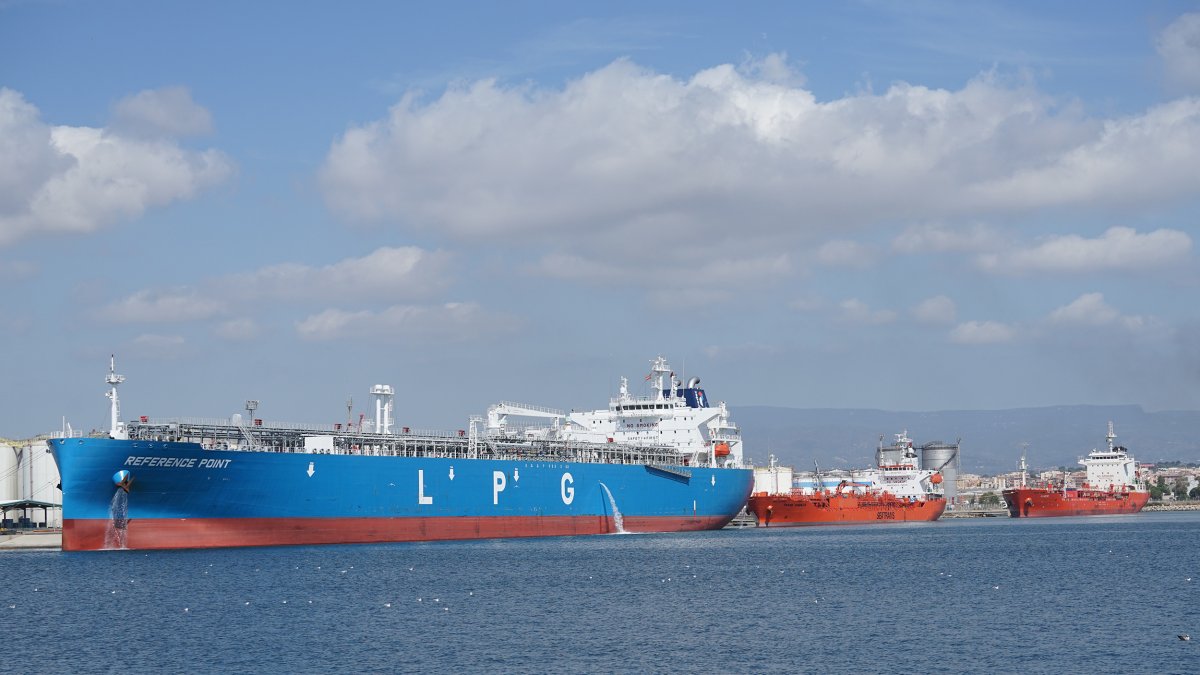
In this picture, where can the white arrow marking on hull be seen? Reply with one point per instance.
(311, 470)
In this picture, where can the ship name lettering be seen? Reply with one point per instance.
(885, 515)
(568, 488)
(162, 462)
(214, 463)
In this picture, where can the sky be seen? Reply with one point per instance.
(911, 206)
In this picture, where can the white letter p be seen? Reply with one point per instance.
(498, 483)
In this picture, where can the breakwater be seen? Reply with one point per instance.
(1172, 506)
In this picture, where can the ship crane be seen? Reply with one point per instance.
(498, 415)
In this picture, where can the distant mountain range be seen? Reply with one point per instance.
(991, 439)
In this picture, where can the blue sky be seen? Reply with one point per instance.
(906, 206)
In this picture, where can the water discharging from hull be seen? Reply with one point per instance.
(118, 521)
(618, 521)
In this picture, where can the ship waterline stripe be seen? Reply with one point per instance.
(87, 534)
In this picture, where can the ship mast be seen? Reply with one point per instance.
(1024, 468)
(115, 428)
(1110, 436)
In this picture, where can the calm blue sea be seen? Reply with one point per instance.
(1094, 595)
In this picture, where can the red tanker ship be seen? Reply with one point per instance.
(1113, 486)
(897, 491)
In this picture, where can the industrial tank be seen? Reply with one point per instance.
(889, 455)
(8, 475)
(28, 471)
(774, 479)
(937, 455)
(43, 484)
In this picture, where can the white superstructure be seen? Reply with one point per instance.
(1111, 469)
(669, 415)
(898, 472)
(116, 426)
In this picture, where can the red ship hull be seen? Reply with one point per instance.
(81, 534)
(1049, 503)
(797, 510)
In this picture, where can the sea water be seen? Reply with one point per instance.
(1105, 594)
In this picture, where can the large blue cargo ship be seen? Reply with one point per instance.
(659, 463)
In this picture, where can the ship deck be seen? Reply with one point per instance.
(339, 440)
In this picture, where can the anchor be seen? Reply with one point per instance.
(123, 479)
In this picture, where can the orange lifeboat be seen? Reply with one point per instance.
(721, 449)
(936, 479)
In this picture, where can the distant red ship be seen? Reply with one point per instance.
(898, 491)
(841, 507)
(1113, 486)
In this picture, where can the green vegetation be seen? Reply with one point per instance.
(1181, 488)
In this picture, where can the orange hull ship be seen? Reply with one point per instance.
(1113, 486)
(898, 490)
(1035, 502)
(833, 509)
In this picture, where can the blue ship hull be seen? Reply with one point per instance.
(180, 495)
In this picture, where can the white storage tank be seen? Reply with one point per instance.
(43, 484)
(8, 473)
(36, 478)
(944, 456)
(810, 483)
(774, 480)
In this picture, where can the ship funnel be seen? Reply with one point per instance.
(693, 383)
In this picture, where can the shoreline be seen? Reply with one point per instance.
(38, 540)
(1172, 506)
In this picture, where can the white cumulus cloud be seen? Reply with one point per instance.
(940, 238)
(625, 154)
(1179, 47)
(1118, 249)
(391, 273)
(450, 321)
(857, 311)
(167, 112)
(167, 306)
(982, 332)
(845, 253)
(1133, 160)
(938, 309)
(79, 179)
(1090, 309)
(238, 329)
